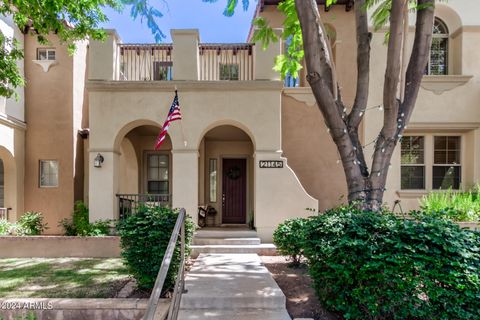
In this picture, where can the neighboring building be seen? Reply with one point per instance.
(240, 125)
(41, 154)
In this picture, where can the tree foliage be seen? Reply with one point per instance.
(70, 20)
(10, 76)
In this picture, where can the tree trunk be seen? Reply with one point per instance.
(366, 188)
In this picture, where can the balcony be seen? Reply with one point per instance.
(153, 62)
(144, 62)
(185, 59)
(226, 61)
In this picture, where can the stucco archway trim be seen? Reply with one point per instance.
(125, 129)
(226, 122)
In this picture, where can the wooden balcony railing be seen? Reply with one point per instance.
(144, 62)
(226, 61)
(130, 203)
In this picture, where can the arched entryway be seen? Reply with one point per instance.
(226, 174)
(9, 195)
(144, 174)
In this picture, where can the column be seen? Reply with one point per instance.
(265, 59)
(185, 181)
(103, 186)
(185, 54)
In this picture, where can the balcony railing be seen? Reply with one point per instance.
(144, 62)
(4, 213)
(226, 61)
(129, 204)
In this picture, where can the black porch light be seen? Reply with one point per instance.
(97, 162)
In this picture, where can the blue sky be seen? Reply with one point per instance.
(186, 14)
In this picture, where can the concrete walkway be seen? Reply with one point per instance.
(233, 287)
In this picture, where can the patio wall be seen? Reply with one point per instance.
(59, 246)
(78, 309)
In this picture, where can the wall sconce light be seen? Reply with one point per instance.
(97, 162)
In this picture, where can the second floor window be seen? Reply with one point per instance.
(45, 54)
(438, 60)
(48, 173)
(229, 71)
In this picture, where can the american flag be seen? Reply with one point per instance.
(173, 115)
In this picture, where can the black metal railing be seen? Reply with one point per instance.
(130, 203)
(179, 287)
(4, 213)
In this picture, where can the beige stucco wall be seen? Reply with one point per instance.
(446, 105)
(54, 102)
(204, 106)
(59, 247)
(310, 150)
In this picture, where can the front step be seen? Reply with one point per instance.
(223, 233)
(225, 241)
(266, 249)
(238, 314)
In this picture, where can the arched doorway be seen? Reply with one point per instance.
(226, 175)
(144, 174)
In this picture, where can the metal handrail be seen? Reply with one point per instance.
(179, 288)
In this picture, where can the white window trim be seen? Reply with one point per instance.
(429, 163)
(45, 64)
(144, 182)
(441, 36)
(40, 174)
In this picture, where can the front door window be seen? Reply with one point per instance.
(157, 174)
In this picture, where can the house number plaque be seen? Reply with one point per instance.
(270, 164)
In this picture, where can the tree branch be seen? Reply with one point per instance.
(387, 139)
(320, 80)
(419, 58)
(364, 38)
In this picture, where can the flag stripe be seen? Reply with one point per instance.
(174, 114)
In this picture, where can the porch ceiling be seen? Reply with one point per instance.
(227, 133)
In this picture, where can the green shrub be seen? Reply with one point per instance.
(289, 236)
(456, 206)
(79, 224)
(6, 227)
(376, 266)
(30, 224)
(144, 240)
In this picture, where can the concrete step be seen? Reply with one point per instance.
(226, 241)
(264, 249)
(239, 314)
(225, 233)
(230, 281)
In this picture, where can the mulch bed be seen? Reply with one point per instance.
(296, 284)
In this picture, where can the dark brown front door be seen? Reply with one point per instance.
(234, 191)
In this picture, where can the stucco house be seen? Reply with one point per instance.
(251, 146)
